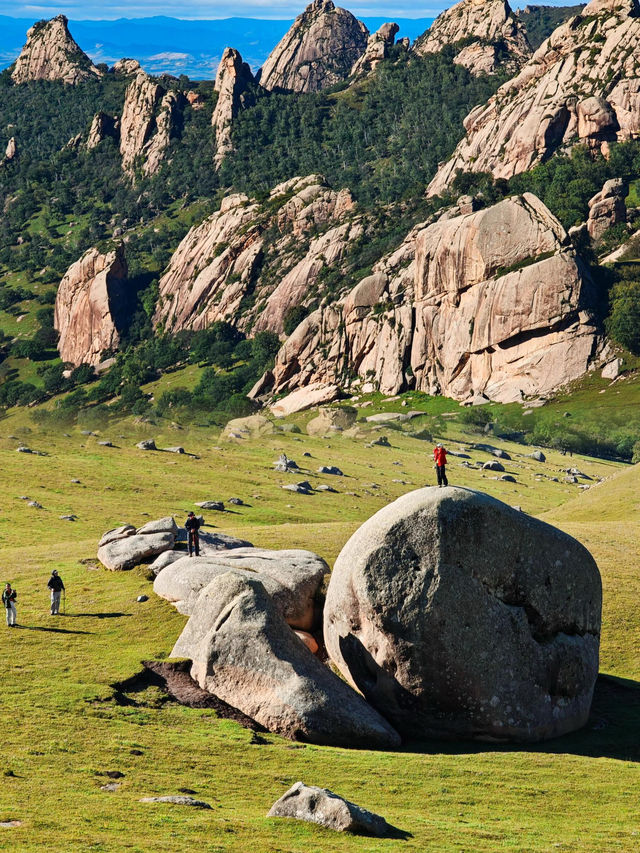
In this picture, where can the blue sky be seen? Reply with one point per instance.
(83, 10)
(87, 10)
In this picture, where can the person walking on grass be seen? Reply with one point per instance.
(193, 537)
(56, 586)
(9, 596)
(440, 458)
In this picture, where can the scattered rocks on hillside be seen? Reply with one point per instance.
(181, 800)
(291, 577)
(68, 518)
(380, 441)
(302, 488)
(330, 469)
(236, 502)
(538, 455)
(508, 478)
(147, 444)
(319, 805)
(457, 616)
(216, 505)
(493, 466)
(283, 464)
(280, 684)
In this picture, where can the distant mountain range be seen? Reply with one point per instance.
(170, 45)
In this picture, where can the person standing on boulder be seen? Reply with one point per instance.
(56, 586)
(193, 537)
(440, 458)
(9, 596)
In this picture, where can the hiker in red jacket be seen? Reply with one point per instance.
(440, 458)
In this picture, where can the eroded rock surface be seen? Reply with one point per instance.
(582, 83)
(319, 50)
(88, 306)
(149, 120)
(491, 34)
(233, 85)
(607, 208)
(319, 805)
(291, 577)
(458, 616)
(487, 303)
(225, 260)
(376, 51)
(102, 127)
(50, 53)
(279, 683)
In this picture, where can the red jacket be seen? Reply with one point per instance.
(440, 455)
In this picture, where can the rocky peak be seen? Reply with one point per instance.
(319, 50)
(149, 118)
(486, 303)
(377, 49)
(50, 53)
(233, 85)
(126, 67)
(583, 83)
(89, 305)
(488, 32)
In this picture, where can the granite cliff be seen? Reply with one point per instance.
(50, 53)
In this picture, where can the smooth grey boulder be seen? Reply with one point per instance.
(319, 805)
(493, 466)
(165, 559)
(126, 553)
(303, 488)
(292, 578)
(330, 469)
(500, 454)
(458, 616)
(117, 533)
(508, 478)
(147, 444)
(160, 525)
(538, 455)
(244, 652)
(213, 542)
(217, 505)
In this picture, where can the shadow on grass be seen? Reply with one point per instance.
(51, 630)
(95, 615)
(611, 732)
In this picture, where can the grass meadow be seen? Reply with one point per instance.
(64, 731)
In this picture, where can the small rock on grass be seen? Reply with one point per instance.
(142, 598)
(147, 444)
(10, 824)
(319, 805)
(177, 801)
(216, 505)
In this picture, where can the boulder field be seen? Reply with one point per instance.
(450, 615)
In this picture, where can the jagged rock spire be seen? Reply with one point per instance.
(233, 83)
(50, 53)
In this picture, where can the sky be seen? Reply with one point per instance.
(207, 10)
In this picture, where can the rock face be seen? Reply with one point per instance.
(226, 259)
(319, 50)
(292, 579)
(51, 54)
(491, 302)
(11, 151)
(102, 127)
(607, 208)
(319, 805)
(233, 85)
(149, 120)
(125, 553)
(376, 51)
(88, 306)
(458, 616)
(493, 37)
(280, 684)
(582, 83)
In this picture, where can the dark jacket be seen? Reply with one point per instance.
(192, 524)
(55, 582)
(8, 597)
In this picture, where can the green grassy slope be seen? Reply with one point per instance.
(63, 728)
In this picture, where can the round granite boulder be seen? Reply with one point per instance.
(457, 616)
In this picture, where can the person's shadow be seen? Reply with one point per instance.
(51, 630)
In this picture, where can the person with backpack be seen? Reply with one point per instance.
(56, 586)
(440, 458)
(9, 596)
(192, 525)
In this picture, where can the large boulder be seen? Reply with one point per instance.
(128, 552)
(245, 653)
(292, 578)
(330, 420)
(458, 616)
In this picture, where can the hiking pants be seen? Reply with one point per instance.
(11, 614)
(442, 476)
(194, 543)
(55, 601)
